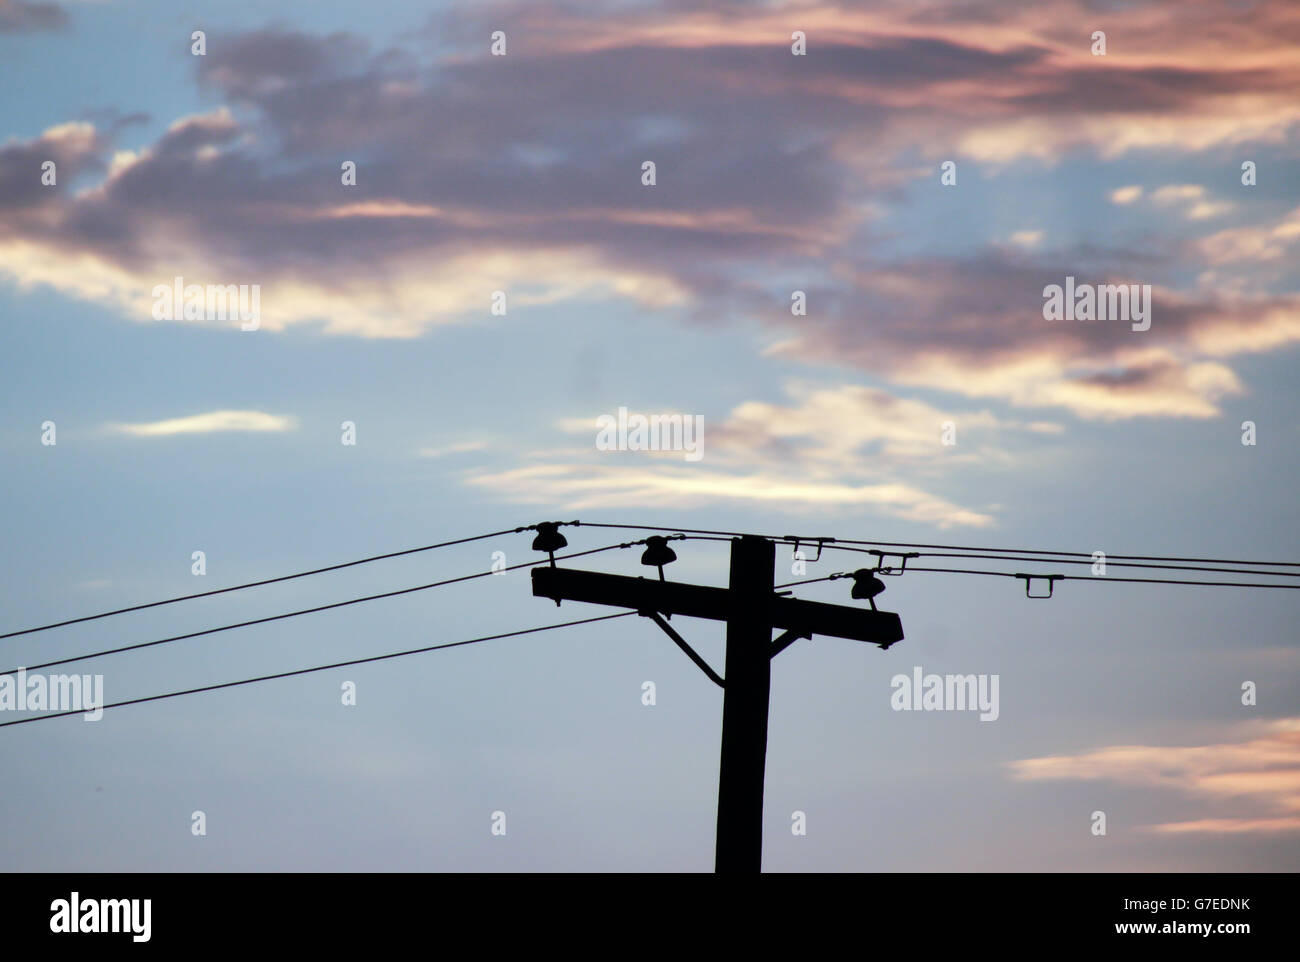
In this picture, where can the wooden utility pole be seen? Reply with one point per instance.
(748, 681)
(752, 609)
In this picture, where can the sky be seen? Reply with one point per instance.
(838, 266)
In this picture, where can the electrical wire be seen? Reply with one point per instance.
(698, 534)
(1097, 578)
(704, 534)
(1069, 561)
(264, 581)
(1084, 578)
(831, 542)
(307, 671)
(813, 581)
(1077, 554)
(973, 553)
(305, 611)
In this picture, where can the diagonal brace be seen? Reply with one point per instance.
(681, 643)
(787, 638)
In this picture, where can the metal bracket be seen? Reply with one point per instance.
(786, 639)
(1050, 579)
(882, 555)
(681, 643)
(819, 542)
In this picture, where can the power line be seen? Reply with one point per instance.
(653, 527)
(698, 534)
(1103, 578)
(702, 535)
(813, 581)
(1010, 554)
(940, 547)
(304, 611)
(307, 671)
(1070, 561)
(1083, 578)
(1078, 554)
(264, 581)
(1114, 564)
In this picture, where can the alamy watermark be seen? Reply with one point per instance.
(211, 302)
(23, 692)
(920, 692)
(657, 432)
(1100, 302)
(77, 915)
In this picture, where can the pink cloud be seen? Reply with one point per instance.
(1257, 778)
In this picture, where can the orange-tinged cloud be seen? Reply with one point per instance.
(488, 192)
(1261, 772)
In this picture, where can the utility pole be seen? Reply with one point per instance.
(744, 708)
(752, 610)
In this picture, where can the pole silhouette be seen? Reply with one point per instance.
(745, 700)
(751, 609)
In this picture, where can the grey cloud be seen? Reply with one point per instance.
(21, 16)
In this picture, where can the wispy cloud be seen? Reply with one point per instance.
(464, 447)
(1262, 242)
(1193, 198)
(252, 194)
(580, 486)
(846, 446)
(974, 326)
(1260, 774)
(209, 423)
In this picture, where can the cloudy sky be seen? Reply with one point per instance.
(1169, 161)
